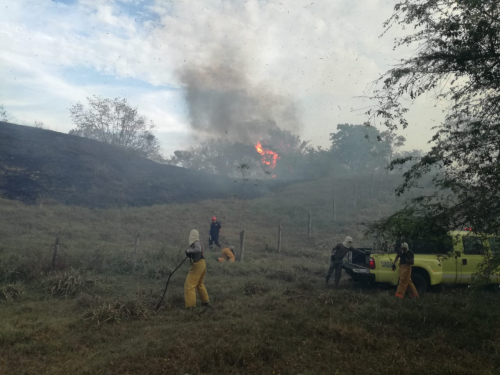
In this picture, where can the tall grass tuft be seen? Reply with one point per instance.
(67, 284)
(116, 311)
(11, 292)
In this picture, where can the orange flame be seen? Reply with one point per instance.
(268, 157)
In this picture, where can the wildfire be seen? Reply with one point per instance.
(268, 157)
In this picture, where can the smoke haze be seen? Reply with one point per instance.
(224, 101)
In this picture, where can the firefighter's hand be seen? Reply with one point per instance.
(393, 267)
(188, 254)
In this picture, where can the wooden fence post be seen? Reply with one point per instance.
(242, 245)
(309, 225)
(371, 188)
(56, 249)
(355, 195)
(137, 241)
(279, 239)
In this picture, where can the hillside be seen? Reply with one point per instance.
(40, 164)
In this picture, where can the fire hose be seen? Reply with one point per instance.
(166, 286)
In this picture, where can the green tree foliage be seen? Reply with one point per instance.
(115, 122)
(409, 224)
(362, 148)
(456, 59)
(355, 149)
(224, 156)
(217, 156)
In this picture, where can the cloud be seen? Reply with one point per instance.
(320, 55)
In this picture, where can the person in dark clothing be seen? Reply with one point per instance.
(214, 233)
(338, 254)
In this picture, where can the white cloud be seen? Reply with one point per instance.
(324, 55)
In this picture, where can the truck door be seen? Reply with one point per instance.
(494, 245)
(450, 263)
(471, 257)
(451, 269)
(443, 250)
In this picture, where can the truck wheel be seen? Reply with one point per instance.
(420, 283)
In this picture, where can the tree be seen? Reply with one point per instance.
(3, 114)
(456, 59)
(411, 157)
(409, 224)
(363, 148)
(115, 122)
(224, 156)
(217, 156)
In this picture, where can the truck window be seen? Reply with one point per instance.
(431, 246)
(473, 245)
(423, 247)
(494, 244)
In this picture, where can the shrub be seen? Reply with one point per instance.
(116, 311)
(67, 284)
(11, 292)
(16, 268)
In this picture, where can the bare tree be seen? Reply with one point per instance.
(3, 113)
(39, 124)
(116, 122)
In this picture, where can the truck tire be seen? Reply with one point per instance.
(420, 282)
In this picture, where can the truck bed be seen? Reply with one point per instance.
(357, 266)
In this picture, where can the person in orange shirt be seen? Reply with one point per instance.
(227, 254)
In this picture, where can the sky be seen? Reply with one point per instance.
(322, 55)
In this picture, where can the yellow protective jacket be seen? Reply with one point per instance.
(228, 255)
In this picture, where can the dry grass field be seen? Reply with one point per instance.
(94, 314)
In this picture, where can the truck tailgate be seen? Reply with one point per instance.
(358, 272)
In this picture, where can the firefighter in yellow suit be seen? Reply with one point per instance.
(406, 260)
(196, 274)
(227, 254)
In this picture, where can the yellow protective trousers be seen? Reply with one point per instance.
(194, 280)
(228, 255)
(405, 282)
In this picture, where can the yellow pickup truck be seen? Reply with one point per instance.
(452, 261)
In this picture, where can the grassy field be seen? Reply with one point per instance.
(271, 315)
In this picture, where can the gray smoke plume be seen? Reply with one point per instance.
(223, 100)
